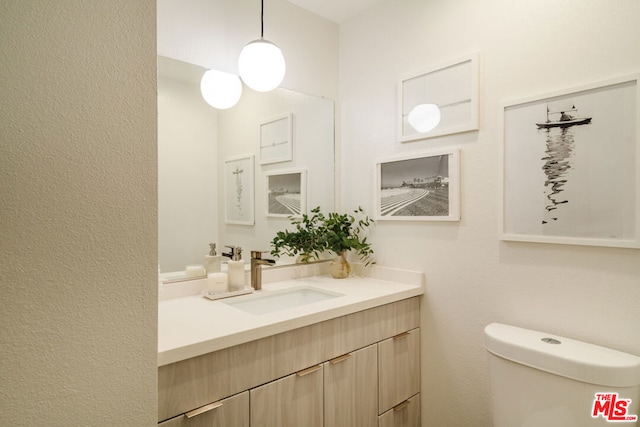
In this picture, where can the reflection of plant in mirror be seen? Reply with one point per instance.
(305, 240)
(317, 233)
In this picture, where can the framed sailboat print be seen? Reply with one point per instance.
(571, 166)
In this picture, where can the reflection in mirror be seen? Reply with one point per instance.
(194, 140)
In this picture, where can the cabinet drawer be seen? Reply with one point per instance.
(351, 389)
(405, 414)
(399, 369)
(292, 401)
(230, 412)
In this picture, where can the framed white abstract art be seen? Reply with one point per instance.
(442, 100)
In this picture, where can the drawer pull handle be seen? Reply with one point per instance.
(340, 359)
(401, 406)
(202, 410)
(402, 335)
(309, 370)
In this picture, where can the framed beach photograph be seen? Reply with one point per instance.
(422, 187)
(286, 193)
(239, 190)
(570, 166)
(276, 140)
(440, 101)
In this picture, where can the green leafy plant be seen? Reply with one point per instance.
(305, 240)
(317, 233)
(343, 232)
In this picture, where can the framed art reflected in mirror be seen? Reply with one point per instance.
(286, 193)
(276, 140)
(239, 190)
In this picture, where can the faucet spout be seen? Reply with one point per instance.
(256, 268)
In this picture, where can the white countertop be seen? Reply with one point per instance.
(193, 325)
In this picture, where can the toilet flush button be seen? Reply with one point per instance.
(551, 341)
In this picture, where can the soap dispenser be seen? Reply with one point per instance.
(212, 261)
(235, 269)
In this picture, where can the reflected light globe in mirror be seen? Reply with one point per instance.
(220, 90)
(424, 117)
(261, 65)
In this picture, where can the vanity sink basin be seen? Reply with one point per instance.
(262, 303)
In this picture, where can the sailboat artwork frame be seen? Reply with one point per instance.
(571, 166)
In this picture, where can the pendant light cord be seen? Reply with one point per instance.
(261, 19)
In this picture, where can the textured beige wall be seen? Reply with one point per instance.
(473, 278)
(78, 209)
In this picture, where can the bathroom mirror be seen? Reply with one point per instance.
(194, 142)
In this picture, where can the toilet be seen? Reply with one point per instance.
(542, 380)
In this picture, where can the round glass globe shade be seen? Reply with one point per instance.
(424, 117)
(220, 90)
(261, 65)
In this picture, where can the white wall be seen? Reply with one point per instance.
(187, 178)
(78, 214)
(473, 278)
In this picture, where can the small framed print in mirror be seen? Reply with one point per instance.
(287, 193)
(440, 101)
(276, 140)
(239, 190)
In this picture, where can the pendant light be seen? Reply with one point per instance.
(261, 64)
(220, 90)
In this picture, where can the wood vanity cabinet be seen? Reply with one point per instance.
(349, 371)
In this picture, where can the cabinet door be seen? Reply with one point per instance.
(230, 412)
(292, 401)
(351, 389)
(405, 414)
(399, 369)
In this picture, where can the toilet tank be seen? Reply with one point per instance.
(543, 380)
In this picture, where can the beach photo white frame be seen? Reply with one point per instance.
(239, 194)
(419, 187)
(570, 166)
(276, 140)
(452, 86)
(286, 193)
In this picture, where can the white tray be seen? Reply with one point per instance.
(219, 295)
